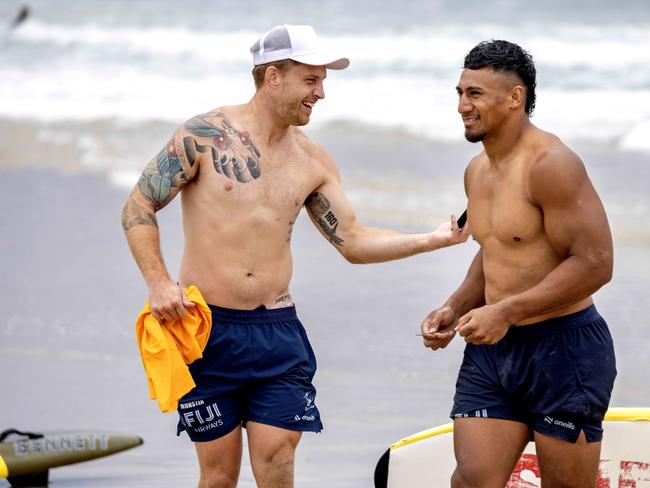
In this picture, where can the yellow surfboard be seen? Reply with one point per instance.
(426, 459)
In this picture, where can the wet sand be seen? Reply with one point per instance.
(70, 293)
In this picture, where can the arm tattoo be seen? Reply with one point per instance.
(136, 214)
(233, 153)
(163, 177)
(319, 208)
(291, 222)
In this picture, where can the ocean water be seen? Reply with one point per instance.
(101, 84)
(147, 60)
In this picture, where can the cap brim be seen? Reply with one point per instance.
(330, 62)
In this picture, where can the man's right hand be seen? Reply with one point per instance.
(168, 302)
(438, 328)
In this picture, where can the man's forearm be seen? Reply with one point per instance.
(374, 245)
(471, 293)
(572, 281)
(141, 230)
(144, 242)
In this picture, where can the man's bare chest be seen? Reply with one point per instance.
(280, 187)
(500, 209)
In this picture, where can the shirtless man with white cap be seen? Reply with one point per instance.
(245, 173)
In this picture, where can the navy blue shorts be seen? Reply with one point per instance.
(556, 376)
(258, 365)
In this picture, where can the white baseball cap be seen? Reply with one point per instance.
(296, 42)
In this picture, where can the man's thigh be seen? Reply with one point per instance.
(266, 441)
(487, 450)
(567, 464)
(220, 459)
(272, 451)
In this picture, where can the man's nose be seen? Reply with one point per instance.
(464, 105)
(319, 91)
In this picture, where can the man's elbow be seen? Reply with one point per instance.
(136, 214)
(606, 273)
(602, 269)
(354, 253)
(351, 256)
(351, 246)
(124, 216)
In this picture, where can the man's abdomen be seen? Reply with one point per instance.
(242, 278)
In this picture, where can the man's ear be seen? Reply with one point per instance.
(517, 96)
(273, 76)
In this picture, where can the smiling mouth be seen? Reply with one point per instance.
(309, 105)
(470, 121)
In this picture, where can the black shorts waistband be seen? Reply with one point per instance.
(260, 315)
(574, 320)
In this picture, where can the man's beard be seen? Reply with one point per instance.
(293, 116)
(474, 136)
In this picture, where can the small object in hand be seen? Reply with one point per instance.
(462, 219)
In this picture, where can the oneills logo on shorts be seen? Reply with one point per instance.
(305, 418)
(559, 423)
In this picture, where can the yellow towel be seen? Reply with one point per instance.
(167, 350)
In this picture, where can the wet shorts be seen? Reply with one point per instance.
(556, 376)
(258, 365)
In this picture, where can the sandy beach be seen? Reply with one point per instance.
(70, 294)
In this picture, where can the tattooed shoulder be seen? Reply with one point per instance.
(232, 152)
(163, 177)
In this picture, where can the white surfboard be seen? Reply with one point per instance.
(426, 459)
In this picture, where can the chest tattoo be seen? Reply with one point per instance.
(232, 152)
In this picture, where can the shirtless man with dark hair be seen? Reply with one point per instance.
(539, 361)
(244, 173)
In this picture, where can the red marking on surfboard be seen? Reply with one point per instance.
(633, 474)
(527, 462)
(633, 471)
(603, 474)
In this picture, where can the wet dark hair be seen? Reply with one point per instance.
(506, 57)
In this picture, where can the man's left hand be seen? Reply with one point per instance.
(449, 234)
(485, 325)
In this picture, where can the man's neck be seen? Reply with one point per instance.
(499, 146)
(262, 117)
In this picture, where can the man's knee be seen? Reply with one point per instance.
(216, 479)
(464, 479)
(457, 480)
(277, 454)
(577, 477)
(465, 476)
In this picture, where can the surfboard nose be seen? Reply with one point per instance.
(23, 455)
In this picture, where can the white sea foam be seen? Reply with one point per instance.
(594, 81)
(562, 45)
(638, 138)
